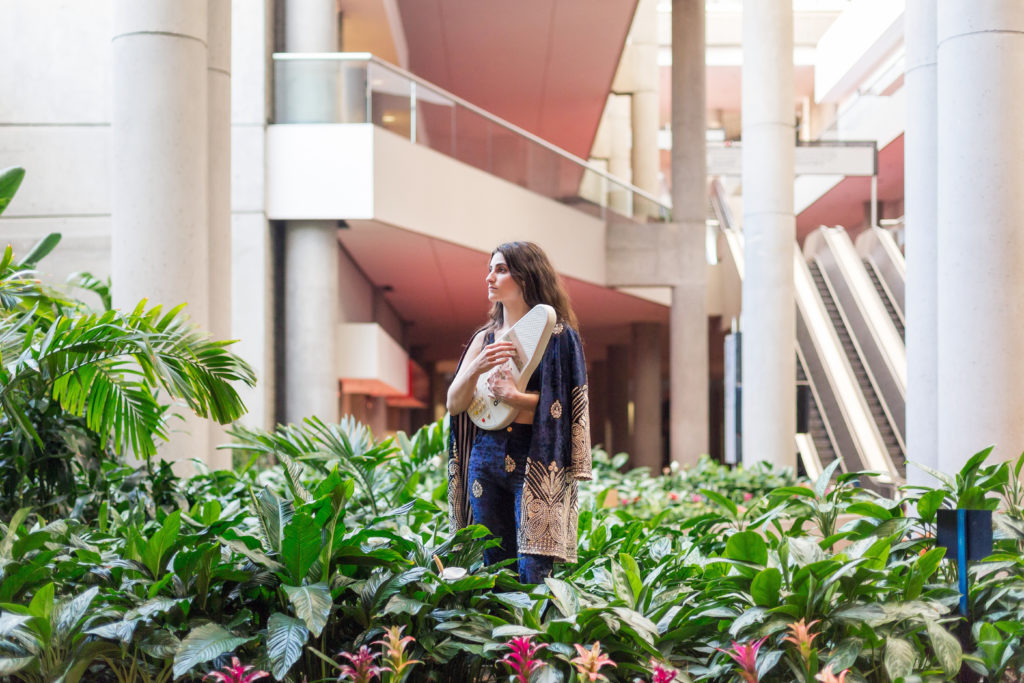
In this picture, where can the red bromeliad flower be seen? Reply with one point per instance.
(660, 673)
(522, 658)
(745, 655)
(236, 673)
(363, 669)
(827, 676)
(589, 662)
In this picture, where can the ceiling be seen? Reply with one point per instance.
(437, 288)
(544, 65)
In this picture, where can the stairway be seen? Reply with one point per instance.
(870, 396)
(883, 294)
(816, 425)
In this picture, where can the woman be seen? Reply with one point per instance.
(520, 481)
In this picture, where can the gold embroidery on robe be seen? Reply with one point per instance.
(478, 490)
(556, 409)
(510, 464)
(548, 516)
(581, 459)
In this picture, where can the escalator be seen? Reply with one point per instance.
(849, 353)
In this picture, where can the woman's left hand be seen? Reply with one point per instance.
(501, 385)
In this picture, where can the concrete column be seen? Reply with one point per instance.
(620, 141)
(618, 399)
(980, 68)
(597, 380)
(769, 312)
(218, 131)
(921, 203)
(647, 442)
(160, 248)
(688, 350)
(311, 247)
(311, 321)
(645, 157)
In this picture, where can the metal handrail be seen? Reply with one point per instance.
(368, 57)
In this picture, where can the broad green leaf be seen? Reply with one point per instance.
(821, 485)
(805, 551)
(69, 611)
(899, 658)
(845, 654)
(12, 531)
(10, 180)
(564, 596)
(12, 665)
(747, 546)
(513, 631)
(754, 615)
(869, 509)
(632, 571)
(929, 503)
(39, 250)
(400, 604)
(547, 674)
(286, 636)
(312, 604)
(42, 602)
(947, 648)
(764, 589)
(623, 586)
(721, 500)
(203, 644)
(154, 553)
(929, 562)
(301, 545)
(274, 514)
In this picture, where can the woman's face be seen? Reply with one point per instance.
(501, 288)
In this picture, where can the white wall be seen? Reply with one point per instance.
(55, 107)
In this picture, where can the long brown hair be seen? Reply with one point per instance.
(532, 271)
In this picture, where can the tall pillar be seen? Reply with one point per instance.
(647, 442)
(645, 156)
(311, 314)
(688, 321)
(921, 204)
(769, 227)
(980, 67)
(618, 399)
(311, 247)
(159, 243)
(619, 163)
(218, 132)
(597, 380)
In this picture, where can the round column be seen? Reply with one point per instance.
(645, 156)
(688, 321)
(218, 84)
(618, 399)
(619, 163)
(920, 210)
(159, 244)
(311, 313)
(311, 247)
(769, 227)
(647, 441)
(980, 68)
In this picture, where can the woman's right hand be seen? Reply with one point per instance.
(492, 356)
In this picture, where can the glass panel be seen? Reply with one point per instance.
(390, 100)
(435, 120)
(320, 91)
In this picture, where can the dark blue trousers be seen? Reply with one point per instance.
(497, 468)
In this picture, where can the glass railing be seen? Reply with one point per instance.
(359, 88)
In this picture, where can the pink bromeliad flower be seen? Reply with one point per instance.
(236, 672)
(363, 668)
(589, 662)
(522, 659)
(745, 655)
(659, 673)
